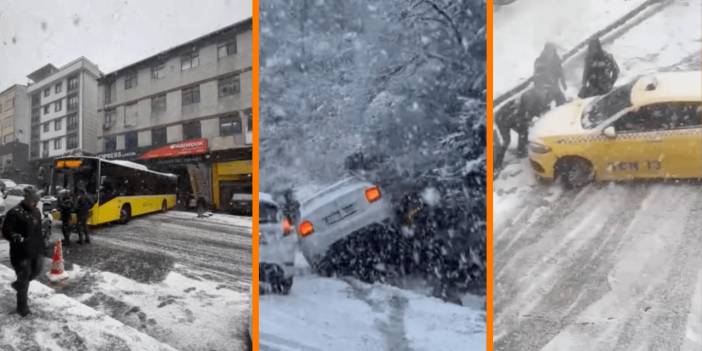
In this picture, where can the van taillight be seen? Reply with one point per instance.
(306, 228)
(373, 194)
(287, 227)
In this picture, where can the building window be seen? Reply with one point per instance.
(159, 136)
(191, 130)
(46, 127)
(191, 95)
(228, 85)
(35, 115)
(57, 124)
(57, 87)
(72, 141)
(57, 143)
(226, 49)
(35, 132)
(130, 80)
(158, 103)
(72, 83)
(110, 143)
(158, 71)
(72, 122)
(189, 60)
(131, 140)
(72, 103)
(57, 105)
(230, 125)
(34, 153)
(130, 114)
(36, 100)
(47, 91)
(249, 120)
(108, 93)
(45, 148)
(46, 109)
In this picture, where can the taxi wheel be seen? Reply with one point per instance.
(575, 172)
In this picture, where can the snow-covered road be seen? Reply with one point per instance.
(181, 280)
(345, 314)
(611, 266)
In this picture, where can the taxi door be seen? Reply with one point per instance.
(635, 149)
(682, 146)
(664, 139)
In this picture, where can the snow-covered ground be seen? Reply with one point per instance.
(176, 278)
(60, 323)
(613, 266)
(345, 314)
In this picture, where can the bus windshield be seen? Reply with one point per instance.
(75, 174)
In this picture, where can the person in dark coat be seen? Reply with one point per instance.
(65, 204)
(517, 115)
(600, 73)
(83, 206)
(291, 207)
(22, 228)
(548, 74)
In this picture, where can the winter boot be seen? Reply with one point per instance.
(22, 308)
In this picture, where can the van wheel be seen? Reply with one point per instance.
(125, 214)
(164, 206)
(575, 172)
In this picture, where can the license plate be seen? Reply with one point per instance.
(340, 214)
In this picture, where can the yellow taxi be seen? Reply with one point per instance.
(650, 127)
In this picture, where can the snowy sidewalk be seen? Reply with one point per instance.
(58, 322)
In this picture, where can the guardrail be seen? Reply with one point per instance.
(606, 35)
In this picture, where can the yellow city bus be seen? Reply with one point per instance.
(120, 189)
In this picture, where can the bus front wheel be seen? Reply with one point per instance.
(125, 214)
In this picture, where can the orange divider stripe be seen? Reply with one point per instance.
(489, 310)
(256, 170)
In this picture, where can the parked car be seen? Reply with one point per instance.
(6, 184)
(240, 203)
(277, 244)
(345, 227)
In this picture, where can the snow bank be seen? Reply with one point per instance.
(331, 314)
(61, 323)
(217, 218)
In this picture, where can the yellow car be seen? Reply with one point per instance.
(648, 128)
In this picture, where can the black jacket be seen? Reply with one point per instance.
(26, 221)
(83, 205)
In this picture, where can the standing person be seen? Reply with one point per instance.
(22, 228)
(291, 207)
(548, 74)
(601, 71)
(83, 205)
(65, 203)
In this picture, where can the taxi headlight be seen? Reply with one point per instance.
(538, 148)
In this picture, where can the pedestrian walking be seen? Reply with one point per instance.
(83, 206)
(65, 203)
(23, 229)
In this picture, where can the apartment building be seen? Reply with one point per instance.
(63, 112)
(185, 108)
(14, 134)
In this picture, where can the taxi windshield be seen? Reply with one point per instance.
(607, 106)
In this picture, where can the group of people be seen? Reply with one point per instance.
(80, 204)
(599, 75)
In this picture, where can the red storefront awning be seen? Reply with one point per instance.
(183, 148)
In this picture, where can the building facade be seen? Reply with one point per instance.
(14, 134)
(186, 110)
(63, 112)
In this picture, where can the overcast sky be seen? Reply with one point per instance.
(110, 33)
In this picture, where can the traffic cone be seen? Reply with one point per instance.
(57, 274)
